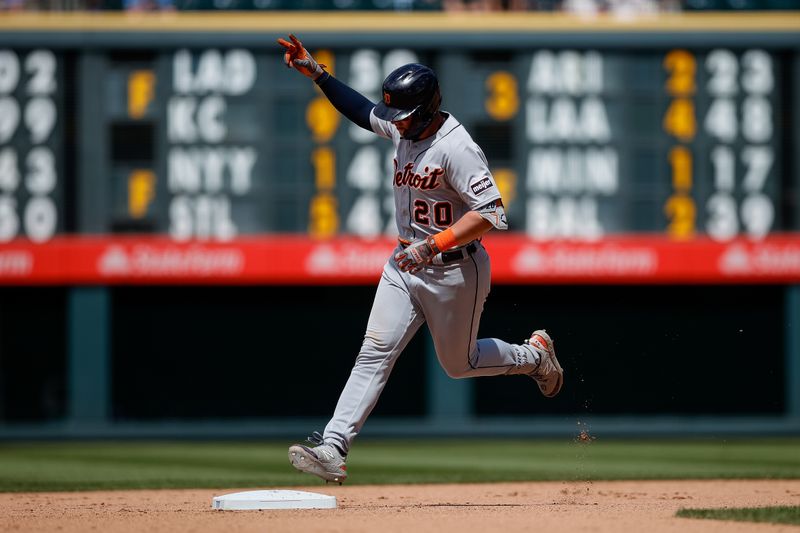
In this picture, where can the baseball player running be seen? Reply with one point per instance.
(445, 200)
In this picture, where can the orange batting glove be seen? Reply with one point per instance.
(297, 57)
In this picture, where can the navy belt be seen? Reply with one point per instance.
(457, 255)
(451, 255)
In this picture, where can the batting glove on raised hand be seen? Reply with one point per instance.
(297, 57)
(416, 255)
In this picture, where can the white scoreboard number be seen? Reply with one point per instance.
(28, 171)
(740, 110)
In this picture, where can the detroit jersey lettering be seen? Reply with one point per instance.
(438, 179)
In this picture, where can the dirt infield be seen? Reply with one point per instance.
(601, 507)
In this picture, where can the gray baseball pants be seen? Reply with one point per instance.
(450, 299)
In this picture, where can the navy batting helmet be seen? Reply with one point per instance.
(410, 91)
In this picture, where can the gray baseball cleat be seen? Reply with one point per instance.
(548, 373)
(323, 461)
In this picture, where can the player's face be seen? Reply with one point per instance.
(403, 125)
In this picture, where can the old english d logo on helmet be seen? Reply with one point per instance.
(413, 91)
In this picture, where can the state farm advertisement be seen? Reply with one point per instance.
(290, 259)
(639, 259)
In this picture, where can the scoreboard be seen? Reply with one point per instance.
(31, 144)
(584, 143)
(659, 149)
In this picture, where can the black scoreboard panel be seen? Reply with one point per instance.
(584, 143)
(675, 141)
(234, 151)
(31, 143)
(217, 143)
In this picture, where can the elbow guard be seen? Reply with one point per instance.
(495, 214)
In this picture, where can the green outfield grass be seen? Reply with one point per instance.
(776, 515)
(123, 465)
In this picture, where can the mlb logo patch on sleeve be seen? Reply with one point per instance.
(482, 185)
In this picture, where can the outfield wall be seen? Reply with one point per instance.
(190, 237)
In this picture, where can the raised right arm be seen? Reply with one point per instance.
(349, 102)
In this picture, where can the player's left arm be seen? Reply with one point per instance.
(469, 174)
(475, 223)
(466, 229)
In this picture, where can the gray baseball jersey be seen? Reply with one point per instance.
(436, 181)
